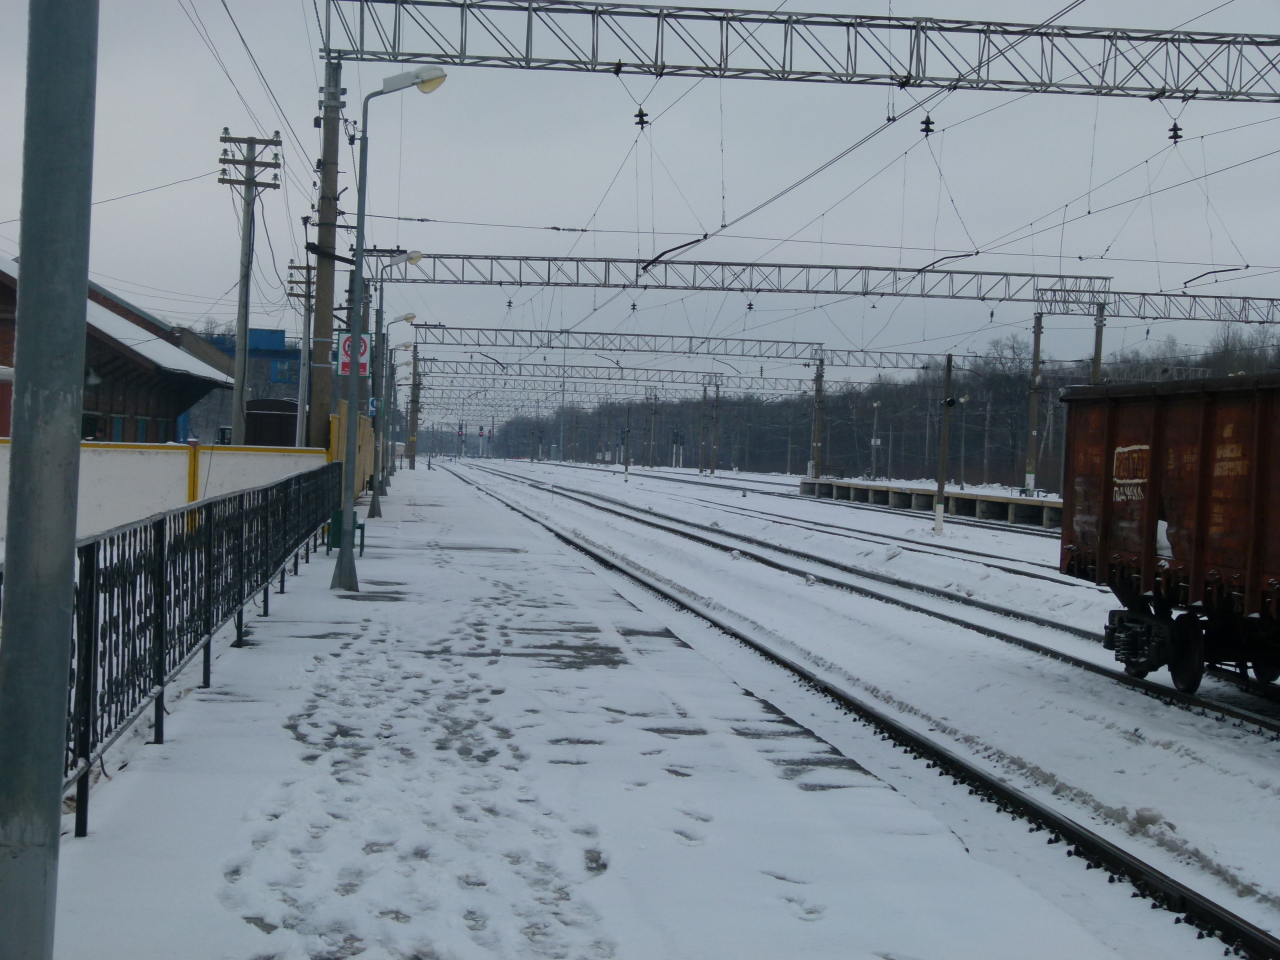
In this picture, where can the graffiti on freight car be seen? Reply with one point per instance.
(1129, 469)
(1230, 459)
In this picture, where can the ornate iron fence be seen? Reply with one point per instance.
(150, 595)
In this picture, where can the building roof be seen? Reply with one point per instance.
(128, 334)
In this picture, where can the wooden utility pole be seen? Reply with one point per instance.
(944, 435)
(1033, 412)
(251, 164)
(321, 346)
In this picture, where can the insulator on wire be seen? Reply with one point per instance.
(642, 118)
(1175, 132)
(926, 125)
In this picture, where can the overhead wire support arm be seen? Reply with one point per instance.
(919, 52)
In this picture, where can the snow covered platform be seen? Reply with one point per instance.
(982, 503)
(490, 752)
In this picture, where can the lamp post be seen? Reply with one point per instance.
(426, 79)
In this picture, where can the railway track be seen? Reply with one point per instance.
(1208, 917)
(960, 521)
(760, 551)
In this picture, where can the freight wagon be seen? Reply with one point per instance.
(1172, 499)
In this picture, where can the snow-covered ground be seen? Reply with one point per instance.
(498, 750)
(1189, 793)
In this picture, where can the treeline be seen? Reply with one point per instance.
(771, 434)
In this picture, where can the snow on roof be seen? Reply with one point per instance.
(163, 354)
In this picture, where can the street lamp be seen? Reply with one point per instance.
(426, 79)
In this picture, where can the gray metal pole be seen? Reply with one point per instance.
(344, 571)
(323, 394)
(412, 445)
(304, 356)
(241, 371)
(875, 440)
(1099, 322)
(57, 181)
(944, 437)
(815, 455)
(1033, 413)
(379, 418)
(715, 429)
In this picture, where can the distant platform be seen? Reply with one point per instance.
(1043, 511)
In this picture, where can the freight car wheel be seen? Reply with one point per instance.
(1186, 665)
(1267, 669)
(1135, 671)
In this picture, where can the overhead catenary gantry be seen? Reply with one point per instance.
(1058, 294)
(514, 373)
(906, 52)
(741, 348)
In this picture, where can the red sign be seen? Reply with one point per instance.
(344, 355)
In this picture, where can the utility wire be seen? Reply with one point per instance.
(136, 193)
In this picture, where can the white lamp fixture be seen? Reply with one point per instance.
(413, 256)
(425, 79)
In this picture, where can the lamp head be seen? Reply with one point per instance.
(425, 79)
(413, 256)
(407, 318)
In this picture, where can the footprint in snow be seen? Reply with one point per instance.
(805, 909)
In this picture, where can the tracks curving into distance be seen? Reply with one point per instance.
(1207, 916)
(769, 554)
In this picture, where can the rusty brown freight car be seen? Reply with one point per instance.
(1172, 500)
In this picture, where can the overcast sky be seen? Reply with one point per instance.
(539, 149)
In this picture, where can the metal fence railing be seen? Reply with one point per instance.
(150, 595)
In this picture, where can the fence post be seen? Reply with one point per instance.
(206, 517)
(239, 640)
(86, 676)
(159, 589)
(266, 555)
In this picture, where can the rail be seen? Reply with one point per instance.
(1208, 918)
(150, 595)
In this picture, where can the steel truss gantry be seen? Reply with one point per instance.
(1066, 295)
(814, 47)
(453, 388)
(800, 352)
(514, 373)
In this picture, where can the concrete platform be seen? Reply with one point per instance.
(490, 753)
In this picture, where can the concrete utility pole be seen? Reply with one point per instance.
(702, 433)
(815, 455)
(304, 354)
(322, 393)
(875, 438)
(715, 429)
(251, 163)
(986, 443)
(1099, 322)
(944, 435)
(48, 389)
(1033, 412)
(414, 401)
